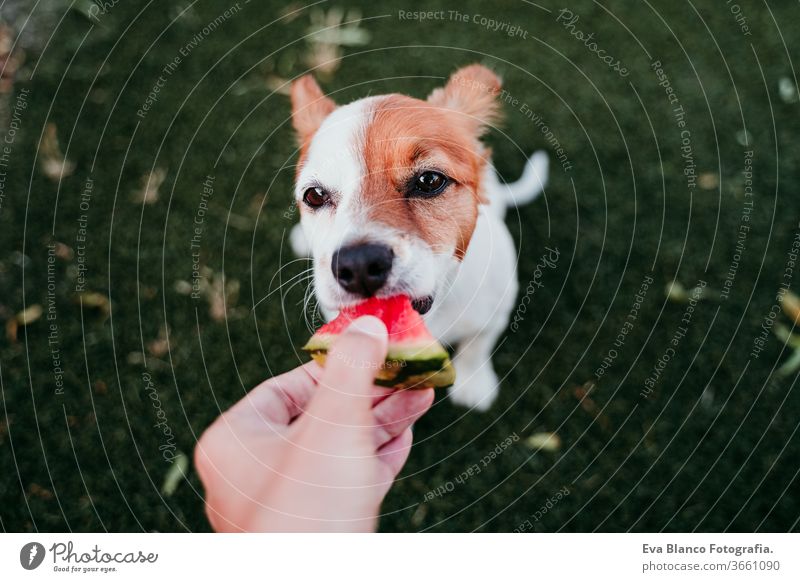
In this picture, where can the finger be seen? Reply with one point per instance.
(345, 391)
(394, 454)
(378, 392)
(394, 414)
(280, 399)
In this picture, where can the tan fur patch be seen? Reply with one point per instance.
(407, 136)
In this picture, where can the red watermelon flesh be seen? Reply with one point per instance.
(414, 358)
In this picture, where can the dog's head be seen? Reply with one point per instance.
(389, 186)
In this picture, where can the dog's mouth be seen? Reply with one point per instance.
(422, 304)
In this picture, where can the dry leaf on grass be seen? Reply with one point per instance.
(30, 314)
(11, 59)
(791, 307)
(582, 393)
(36, 490)
(278, 84)
(222, 295)
(148, 193)
(94, 300)
(708, 181)
(52, 162)
(63, 251)
(544, 441)
(159, 346)
(327, 35)
(787, 90)
(176, 473)
(11, 330)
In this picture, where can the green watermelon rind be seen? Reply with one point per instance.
(416, 373)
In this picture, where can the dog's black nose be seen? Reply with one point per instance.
(363, 268)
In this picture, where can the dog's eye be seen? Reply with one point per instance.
(429, 183)
(315, 197)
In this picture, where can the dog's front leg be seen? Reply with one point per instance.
(476, 382)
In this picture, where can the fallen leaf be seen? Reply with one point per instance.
(11, 58)
(182, 287)
(148, 291)
(36, 490)
(328, 34)
(782, 333)
(708, 181)
(787, 90)
(63, 251)
(419, 514)
(176, 474)
(30, 314)
(549, 442)
(221, 299)
(791, 365)
(160, 346)
(676, 292)
(51, 160)
(11, 330)
(148, 193)
(791, 306)
(94, 300)
(278, 84)
(744, 138)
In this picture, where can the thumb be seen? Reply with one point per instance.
(344, 395)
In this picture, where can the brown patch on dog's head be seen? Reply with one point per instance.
(407, 136)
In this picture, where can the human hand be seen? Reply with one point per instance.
(313, 449)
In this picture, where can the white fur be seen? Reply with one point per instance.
(473, 299)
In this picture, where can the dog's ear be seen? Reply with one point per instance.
(472, 91)
(310, 107)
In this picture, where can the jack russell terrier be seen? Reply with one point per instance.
(398, 196)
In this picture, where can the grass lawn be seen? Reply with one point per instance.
(151, 140)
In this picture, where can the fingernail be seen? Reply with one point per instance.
(368, 325)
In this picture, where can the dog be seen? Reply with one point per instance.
(398, 195)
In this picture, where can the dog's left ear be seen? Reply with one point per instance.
(310, 107)
(472, 91)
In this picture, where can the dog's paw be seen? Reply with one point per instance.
(476, 389)
(299, 242)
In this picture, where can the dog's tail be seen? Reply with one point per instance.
(530, 184)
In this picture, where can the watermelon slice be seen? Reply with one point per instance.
(414, 360)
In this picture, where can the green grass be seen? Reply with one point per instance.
(712, 448)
